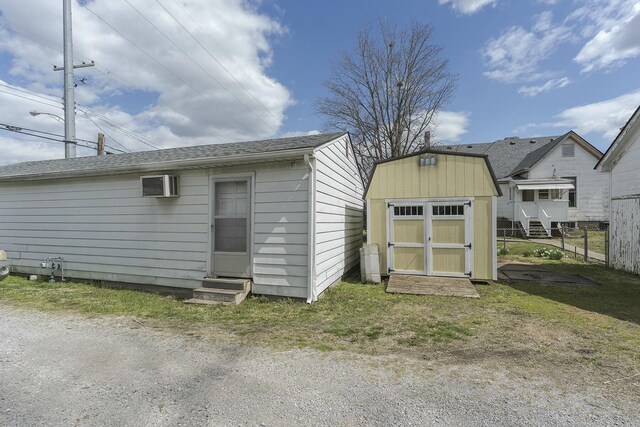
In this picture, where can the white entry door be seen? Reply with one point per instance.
(231, 228)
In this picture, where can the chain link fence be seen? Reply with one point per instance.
(589, 244)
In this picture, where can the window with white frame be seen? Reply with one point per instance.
(543, 194)
(528, 195)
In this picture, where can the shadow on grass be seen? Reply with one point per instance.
(617, 295)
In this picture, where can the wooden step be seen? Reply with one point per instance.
(226, 283)
(221, 291)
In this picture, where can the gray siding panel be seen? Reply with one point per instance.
(105, 230)
(339, 210)
(280, 265)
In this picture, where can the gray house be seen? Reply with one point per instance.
(285, 214)
(546, 181)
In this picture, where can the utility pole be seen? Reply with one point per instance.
(69, 84)
(101, 144)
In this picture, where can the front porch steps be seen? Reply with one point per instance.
(217, 290)
(537, 230)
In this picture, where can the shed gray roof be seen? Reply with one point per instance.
(510, 155)
(140, 160)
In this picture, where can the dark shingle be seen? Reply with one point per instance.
(508, 155)
(101, 164)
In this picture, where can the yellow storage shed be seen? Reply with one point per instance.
(434, 213)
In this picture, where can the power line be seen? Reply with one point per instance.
(105, 132)
(231, 117)
(45, 135)
(37, 95)
(41, 136)
(213, 56)
(31, 99)
(120, 128)
(203, 69)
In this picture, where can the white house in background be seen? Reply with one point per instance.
(546, 181)
(621, 163)
(285, 214)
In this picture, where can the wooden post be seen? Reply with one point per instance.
(101, 144)
(561, 228)
(606, 247)
(586, 244)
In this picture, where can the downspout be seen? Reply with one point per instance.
(311, 241)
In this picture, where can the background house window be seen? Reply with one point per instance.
(543, 194)
(568, 150)
(573, 194)
(528, 195)
(555, 194)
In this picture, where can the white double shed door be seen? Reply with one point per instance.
(430, 237)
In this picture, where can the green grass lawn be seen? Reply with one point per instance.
(596, 240)
(574, 325)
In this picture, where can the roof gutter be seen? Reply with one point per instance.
(173, 164)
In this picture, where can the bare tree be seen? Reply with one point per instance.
(387, 91)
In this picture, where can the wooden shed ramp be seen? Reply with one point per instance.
(430, 285)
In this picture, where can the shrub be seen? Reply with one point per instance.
(503, 251)
(541, 252)
(527, 254)
(555, 254)
(549, 253)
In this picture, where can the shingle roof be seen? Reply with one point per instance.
(510, 155)
(120, 162)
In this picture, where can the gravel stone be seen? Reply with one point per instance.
(61, 369)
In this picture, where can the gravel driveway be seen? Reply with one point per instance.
(60, 369)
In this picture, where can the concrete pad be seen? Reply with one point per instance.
(431, 285)
(535, 274)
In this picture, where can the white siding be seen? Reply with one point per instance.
(281, 230)
(625, 176)
(105, 230)
(504, 205)
(592, 186)
(339, 213)
(624, 246)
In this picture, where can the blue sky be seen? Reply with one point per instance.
(207, 71)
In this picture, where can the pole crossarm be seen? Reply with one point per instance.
(83, 65)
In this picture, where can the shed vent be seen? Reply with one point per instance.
(533, 141)
(512, 143)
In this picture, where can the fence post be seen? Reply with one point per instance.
(504, 240)
(606, 247)
(561, 228)
(586, 244)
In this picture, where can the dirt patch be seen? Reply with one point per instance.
(530, 273)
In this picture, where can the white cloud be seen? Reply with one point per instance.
(604, 118)
(543, 21)
(545, 87)
(468, 7)
(516, 55)
(449, 126)
(613, 44)
(184, 104)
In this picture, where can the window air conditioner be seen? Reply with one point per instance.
(160, 186)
